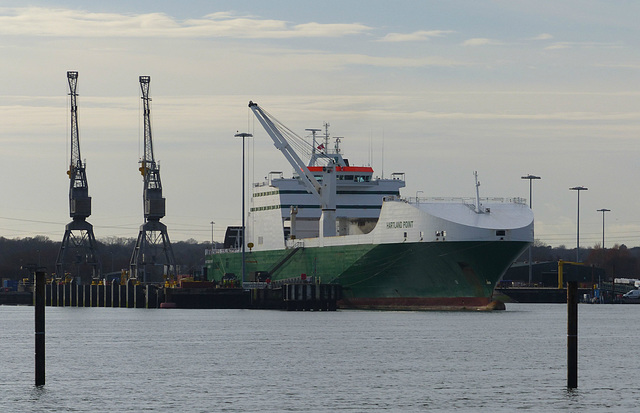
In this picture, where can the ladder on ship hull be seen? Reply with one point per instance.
(284, 260)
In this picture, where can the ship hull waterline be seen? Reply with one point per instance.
(394, 276)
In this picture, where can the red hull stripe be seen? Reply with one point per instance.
(344, 169)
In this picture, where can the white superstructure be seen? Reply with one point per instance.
(368, 210)
(339, 204)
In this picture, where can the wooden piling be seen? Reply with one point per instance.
(79, 295)
(94, 295)
(151, 296)
(99, 302)
(138, 296)
(130, 303)
(107, 302)
(54, 293)
(87, 295)
(123, 300)
(115, 295)
(60, 288)
(66, 295)
(39, 327)
(47, 293)
(572, 334)
(73, 292)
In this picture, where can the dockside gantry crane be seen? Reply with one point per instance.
(78, 234)
(153, 234)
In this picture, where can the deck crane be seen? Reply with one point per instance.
(153, 234)
(325, 190)
(78, 234)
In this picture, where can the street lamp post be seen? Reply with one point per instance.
(603, 210)
(530, 178)
(578, 188)
(212, 224)
(243, 135)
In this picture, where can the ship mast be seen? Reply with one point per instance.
(478, 205)
(78, 234)
(315, 147)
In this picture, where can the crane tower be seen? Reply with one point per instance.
(153, 238)
(78, 234)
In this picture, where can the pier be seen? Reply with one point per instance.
(298, 296)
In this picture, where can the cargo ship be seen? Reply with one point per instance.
(340, 224)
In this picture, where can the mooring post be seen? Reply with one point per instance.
(39, 313)
(572, 334)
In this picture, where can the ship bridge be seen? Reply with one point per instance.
(346, 173)
(286, 201)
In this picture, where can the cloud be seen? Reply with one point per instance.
(39, 21)
(480, 41)
(619, 65)
(583, 45)
(543, 36)
(357, 59)
(418, 36)
(558, 46)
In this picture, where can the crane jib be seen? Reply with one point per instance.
(326, 192)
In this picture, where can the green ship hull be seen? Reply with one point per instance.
(388, 276)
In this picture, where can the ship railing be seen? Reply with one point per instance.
(255, 285)
(212, 251)
(464, 200)
(392, 198)
(472, 205)
(293, 280)
(295, 243)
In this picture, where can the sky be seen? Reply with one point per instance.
(434, 89)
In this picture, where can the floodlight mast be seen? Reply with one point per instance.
(78, 233)
(325, 192)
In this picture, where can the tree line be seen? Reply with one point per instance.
(19, 256)
(617, 261)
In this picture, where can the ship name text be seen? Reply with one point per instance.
(399, 224)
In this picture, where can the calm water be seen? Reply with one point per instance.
(126, 360)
